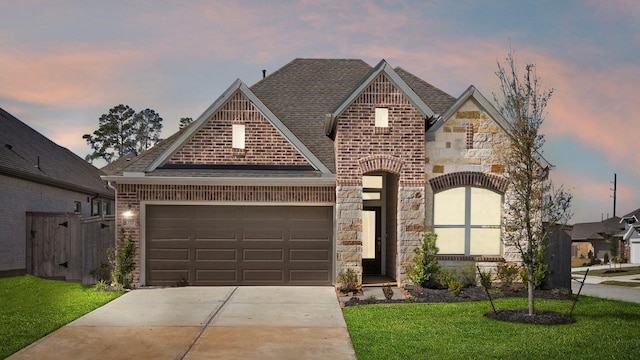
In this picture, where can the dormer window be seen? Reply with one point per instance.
(238, 136)
(382, 117)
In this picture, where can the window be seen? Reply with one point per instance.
(371, 187)
(96, 207)
(382, 117)
(106, 208)
(467, 221)
(238, 136)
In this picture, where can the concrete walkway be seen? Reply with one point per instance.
(593, 286)
(205, 323)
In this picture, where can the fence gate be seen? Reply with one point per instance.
(64, 246)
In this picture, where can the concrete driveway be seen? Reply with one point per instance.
(205, 323)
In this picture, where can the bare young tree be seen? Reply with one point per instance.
(534, 207)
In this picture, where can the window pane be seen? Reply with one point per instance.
(238, 136)
(448, 207)
(485, 242)
(450, 241)
(371, 196)
(368, 234)
(486, 207)
(372, 181)
(382, 117)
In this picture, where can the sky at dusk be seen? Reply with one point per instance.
(65, 63)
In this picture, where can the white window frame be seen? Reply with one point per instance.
(467, 226)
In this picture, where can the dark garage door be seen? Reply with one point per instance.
(238, 245)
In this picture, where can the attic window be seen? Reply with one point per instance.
(238, 136)
(382, 117)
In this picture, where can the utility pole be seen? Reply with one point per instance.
(615, 181)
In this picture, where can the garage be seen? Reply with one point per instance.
(238, 245)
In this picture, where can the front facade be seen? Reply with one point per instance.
(322, 166)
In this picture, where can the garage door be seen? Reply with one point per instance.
(239, 245)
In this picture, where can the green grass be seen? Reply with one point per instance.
(621, 283)
(604, 329)
(31, 308)
(632, 270)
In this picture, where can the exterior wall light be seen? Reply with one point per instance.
(129, 213)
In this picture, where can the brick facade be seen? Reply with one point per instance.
(361, 148)
(212, 144)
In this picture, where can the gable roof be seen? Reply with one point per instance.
(597, 230)
(215, 107)
(296, 99)
(476, 95)
(27, 154)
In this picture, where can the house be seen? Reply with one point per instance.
(596, 237)
(36, 175)
(631, 236)
(324, 165)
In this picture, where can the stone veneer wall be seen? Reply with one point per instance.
(135, 194)
(362, 148)
(469, 142)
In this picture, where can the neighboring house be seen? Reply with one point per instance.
(36, 175)
(631, 237)
(596, 237)
(321, 166)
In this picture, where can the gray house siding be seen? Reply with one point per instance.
(21, 196)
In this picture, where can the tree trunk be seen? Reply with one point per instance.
(530, 293)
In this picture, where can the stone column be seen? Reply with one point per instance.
(349, 229)
(411, 226)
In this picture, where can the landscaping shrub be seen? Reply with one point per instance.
(101, 272)
(122, 261)
(387, 291)
(507, 273)
(423, 269)
(485, 279)
(455, 286)
(348, 281)
(467, 275)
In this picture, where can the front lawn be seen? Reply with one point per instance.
(603, 329)
(31, 308)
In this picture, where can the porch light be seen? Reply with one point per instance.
(129, 213)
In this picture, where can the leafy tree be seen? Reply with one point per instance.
(122, 131)
(534, 206)
(147, 126)
(184, 122)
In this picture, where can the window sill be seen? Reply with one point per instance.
(381, 130)
(240, 153)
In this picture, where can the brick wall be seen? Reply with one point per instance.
(212, 144)
(362, 148)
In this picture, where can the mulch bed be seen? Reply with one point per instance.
(422, 295)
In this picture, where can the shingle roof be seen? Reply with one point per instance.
(300, 94)
(597, 230)
(22, 148)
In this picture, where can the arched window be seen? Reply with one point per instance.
(467, 221)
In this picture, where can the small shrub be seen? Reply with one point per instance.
(182, 282)
(560, 291)
(455, 286)
(423, 269)
(348, 281)
(101, 285)
(467, 275)
(387, 291)
(485, 279)
(606, 258)
(101, 272)
(442, 278)
(507, 273)
(122, 261)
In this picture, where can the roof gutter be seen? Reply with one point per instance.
(56, 183)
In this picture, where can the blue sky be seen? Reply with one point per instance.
(65, 63)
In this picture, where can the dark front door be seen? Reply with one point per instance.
(371, 241)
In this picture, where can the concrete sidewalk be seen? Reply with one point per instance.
(593, 286)
(205, 323)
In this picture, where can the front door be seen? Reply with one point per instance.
(371, 241)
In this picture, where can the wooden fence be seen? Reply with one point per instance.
(67, 247)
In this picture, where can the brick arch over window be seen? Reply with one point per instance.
(380, 162)
(469, 178)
